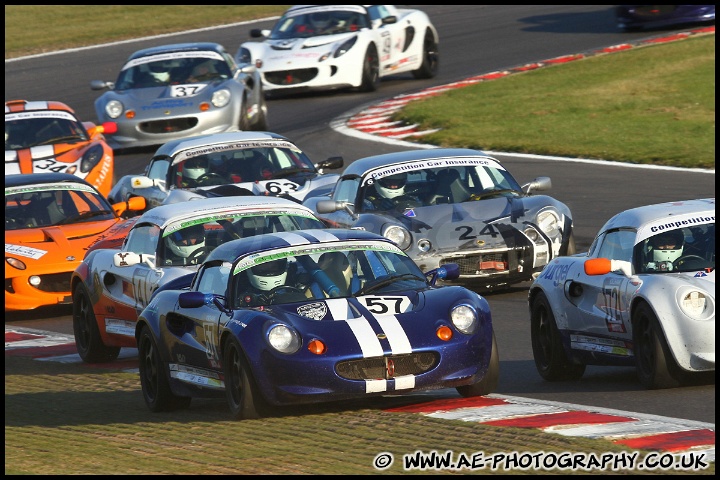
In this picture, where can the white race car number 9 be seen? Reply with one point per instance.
(276, 188)
(386, 305)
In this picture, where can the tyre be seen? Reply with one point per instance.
(244, 121)
(88, 342)
(371, 70)
(489, 382)
(571, 248)
(431, 58)
(654, 363)
(550, 358)
(241, 391)
(261, 123)
(153, 380)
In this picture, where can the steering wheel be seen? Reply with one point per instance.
(210, 179)
(195, 255)
(684, 258)
(293, 294)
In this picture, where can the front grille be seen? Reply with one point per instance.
(55, 282)
(387, 367)
(486, 263)
(291, 77)
(168, 125)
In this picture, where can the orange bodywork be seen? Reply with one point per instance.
(67, 154)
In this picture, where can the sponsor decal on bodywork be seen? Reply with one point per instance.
(23, 251)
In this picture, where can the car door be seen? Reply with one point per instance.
(389, 37)
(140, 281)
(603, 306)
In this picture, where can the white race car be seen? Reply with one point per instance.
(322, 47)
(643, 296)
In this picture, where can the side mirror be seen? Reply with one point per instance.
(257, 33)
(539, 184)
(101, 85)
(129, 259)
(142, 182)
(331, 163)
(135, 204)
(330, 206)
(603, 266)
(194, 299)
(389, 20)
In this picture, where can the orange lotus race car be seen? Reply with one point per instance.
(51, 219)
(45, 137)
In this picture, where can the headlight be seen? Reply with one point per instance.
(399, 235)
(345, 47)
(91, 158)
(695, 304)
(549, 222)
(284, 339)
(464, 318)
(114, 108)
(221, 97)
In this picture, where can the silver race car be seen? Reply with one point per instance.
(453, 206)
(227, 164)
(642, 296)
(175, 91)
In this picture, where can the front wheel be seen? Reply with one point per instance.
(489, 382)
(431, 58)
(88, 341)
(654, 363)
(550, 360)
(241, 391)
(154, 382)
(371, 70)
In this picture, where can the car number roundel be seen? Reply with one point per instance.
(386, 304)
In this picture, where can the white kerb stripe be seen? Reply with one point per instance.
(399, 342)
(364, 334)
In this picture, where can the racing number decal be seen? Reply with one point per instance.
(186, 90)
(466, 232)
(51, 165)
(386, 305)
(140, 286)
(613, 305)
(276, 188)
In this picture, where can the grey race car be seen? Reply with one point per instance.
(453, 206)
(175, 91)
(228, 164)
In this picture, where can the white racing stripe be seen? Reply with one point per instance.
(364, 334)
(399, 342)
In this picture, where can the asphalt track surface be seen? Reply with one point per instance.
(475, 41)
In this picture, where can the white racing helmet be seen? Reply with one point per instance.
(268, 275)
(392, 186)
(667, 246)
(195, 167)
(160, 72)
(184, 242)
(320, 20)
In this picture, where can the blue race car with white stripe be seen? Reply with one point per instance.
(312, 316)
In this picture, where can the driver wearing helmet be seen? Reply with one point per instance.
(664, 249)
(160, 72)
(185, 246)
(320, 21)
(192, 169)
(265, 278)
(390, 193)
